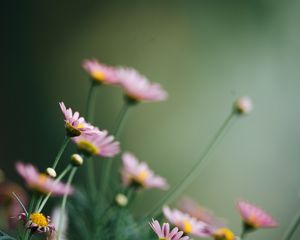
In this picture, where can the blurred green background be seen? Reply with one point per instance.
(205, 53)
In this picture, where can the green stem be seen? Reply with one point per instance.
(190, 176)
(90, 104)
(32, 202)
(63, 203)
(117, 131)
(60, 152)
(121, 119)
(292, 227)
(243, 235)
(90, 173)
(64, 172)
(38, 203)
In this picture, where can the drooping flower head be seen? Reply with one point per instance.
(97, 143)
(139, 175)
(41, 182)
(254, 217)
(163, 232)
(138, 88)
(75, 125)
(202, 214)
(186, 223)
(38, 223)
(99, 72)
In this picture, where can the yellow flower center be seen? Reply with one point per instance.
(39, 219)
(43, 178)
(142, 176)
(88, 147)
(187, 226)
(98, 75)
(72, 131)
(253, 221)
(223, 234)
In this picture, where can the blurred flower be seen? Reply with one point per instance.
(9, 203)
(243, 105)
(254, 217)
(38, 223)
(99, 72)
(190, 207)
(41, 182)
(223, 234)
(75, 125)
(164, 233)
(55, 220)
(138, 88)
(139, 174)
(97, 143)
(186, 223)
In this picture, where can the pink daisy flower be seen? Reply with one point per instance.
(186, 223)
(97, 143)
(138, 88)
(139, 174)
(41, 182)
(38, 223)
(99, 72)
(75, 125)
(255, 217)
(164, 233)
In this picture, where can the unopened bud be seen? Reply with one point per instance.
(121, 200)
(76, 160)
(243, 105)
(51, 172)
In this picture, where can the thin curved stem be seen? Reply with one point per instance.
(292, 227)
(63, 203)
(60, 152)
(190, 176)
(90, 104)
(67, 169)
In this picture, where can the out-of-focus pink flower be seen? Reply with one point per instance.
(186, 223)
(75, 125)
(41, 182)
(254, 217)
(138, 88)
(190, 207)
(99, 72)
(139, 174)
(97, 143)
(38, 223)
(10, 204)
(164, 231)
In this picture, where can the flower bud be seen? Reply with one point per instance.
(76, 160)
(51, 172)
(243, 105)
(121, 200)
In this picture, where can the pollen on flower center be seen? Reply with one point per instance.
(98, 75)
(88, 147)
(39, 219)
(142, 176)
(187, 226)
(73, 131)
(224, 234)
(42, 178)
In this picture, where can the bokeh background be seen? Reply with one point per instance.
(205, 53)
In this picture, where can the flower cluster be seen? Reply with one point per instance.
(101, 207)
